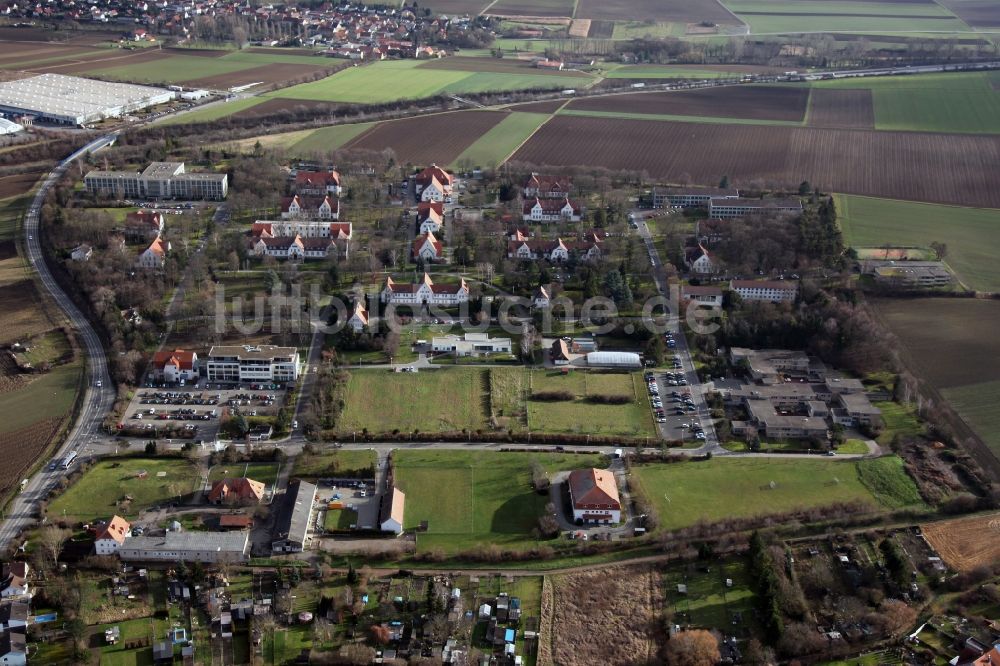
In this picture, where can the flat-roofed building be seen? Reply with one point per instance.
(770, 291)
(686, 197)
(700, 294)
(159, 180)
(471, 344)
(206, 547)
(74, 100)
(726, 208)
(909, 274)
(249, 363)
(765, 364)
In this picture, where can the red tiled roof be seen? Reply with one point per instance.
(590, 487)
(550, 205)
(423, 239)
(144, 218)
(434, 171)
(116, 529)
(317, 178)
(242, 489)
(184, 360)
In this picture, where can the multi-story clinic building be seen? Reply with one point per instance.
(160, 180)
(248, 363)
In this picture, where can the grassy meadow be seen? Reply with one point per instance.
(689, 492)
(632, 419)
(971, 234)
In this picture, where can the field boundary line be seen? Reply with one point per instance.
(526, 139)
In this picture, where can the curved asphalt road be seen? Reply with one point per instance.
(96, 402)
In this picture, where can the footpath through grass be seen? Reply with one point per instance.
(476, 497)
(971, 234)
(689, 492)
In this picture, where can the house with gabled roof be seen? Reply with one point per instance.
(14, 648)
(427, 248)
(391, 511)
(237, 491)
(144, 225)
(698, 260)
(154, 256)
(430, 217)
(434, 183)
(540, 298)
(425, 292)
(111, 536)
(294, 247)
(14, 580)
(175, 365)
(358, 320)
(594, 496)
(317, 183)
(303, 207)
(551, 210)
(547, 187)
(340, 233)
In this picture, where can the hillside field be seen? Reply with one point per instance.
(971, 234)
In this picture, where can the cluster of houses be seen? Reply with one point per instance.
(523, 246)
(15, 612)
(788, 395)
(310, 226)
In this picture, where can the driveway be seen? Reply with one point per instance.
(623, 529)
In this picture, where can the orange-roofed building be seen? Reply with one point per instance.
(236, 491)
(173, 366)
(111, 537)
(594, 493)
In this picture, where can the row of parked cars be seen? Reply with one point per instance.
(175, 398)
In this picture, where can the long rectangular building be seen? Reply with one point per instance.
(207, 547)
(160, 180)
(250, 363)
(291, 530)
(727, 208)
(686, 197)
(73, 100)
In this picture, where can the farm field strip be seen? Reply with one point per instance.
(497, 144)
(965, 543)
(846, 109)
(977, 405)
(329, 138)
(976, 13)
(665, 11)
(748, 102)
(939, 168)
(676, 119)
(971, 234)
(214, 111)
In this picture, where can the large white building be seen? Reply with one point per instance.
(160, 180)
(470, 344)
(594, 495)
(73, 100)
(249, 363)
(424, 292)
(726, 208)
(770, 291)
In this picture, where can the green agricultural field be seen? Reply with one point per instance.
(502, 140)
(172, 69)
(214, 111)
(964, 102)
(448, 399)
(689, 492)
(101, 492)
(665, 72)
(797, 16)
(328, 138)
(334, 462)
(971, 234)
(642, 30)
(48, 397)
(476, 497)
(633, 419)
(977, 404)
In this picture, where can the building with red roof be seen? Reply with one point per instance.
(173, 366)
(594, 495)
(236, 491)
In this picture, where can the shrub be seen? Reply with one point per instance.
(552, 396)
(609, 399)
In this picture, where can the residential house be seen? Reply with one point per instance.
(154, 256)
(430, 217)
(425, 292)
(236, 491)
(252, 363)
(14, 616)
(704, 295)
(176, 365)
(540, 299)
(551, 210)
(302, 207)
(726, 208)
(687, 197)
(111, 536)
(770, 291)
(144, 225)
(434, 184)
(317, 183)
(81, 253)
(358, 320)
(339, 231)
(295, 248)
(14, 648)
(594, 496)
(291, 531)
(547, 187)
(555, 251)
(559, 353)
(235, 521)
(470, 344)
(427, 248)
(699, 261)
(391, 511)
(14, 581)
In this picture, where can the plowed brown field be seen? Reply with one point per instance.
(438, 138)
(21, 449)
(966, 543)
(977, 13)
(851, 109)
(267, 74)
(940, 168)
(676, 11)
(763, 103)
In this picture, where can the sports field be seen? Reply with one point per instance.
(685, 493)
(964, 102)
(103, 490)
(476, 497)
(391, 80)
(502, 140)
(971, 234)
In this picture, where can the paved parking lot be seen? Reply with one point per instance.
(674, 408)
(200, 407)
(356, 494)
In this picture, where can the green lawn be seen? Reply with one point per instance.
(641, 29)
(708, 601)
(971, 234)
(502, 140)
(853, 446)
(977, 404)
(100, 492)
(476, 497)
(448, 399)
(962, 102)
(214, 111)
(579, 416)
(888, 481)
(340, 519)
(265, 472)
(131, 630)
(685, 493)
(332, 462)
(49, 396)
